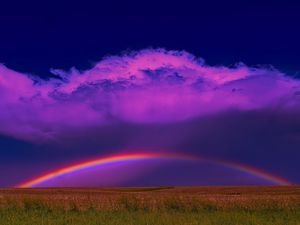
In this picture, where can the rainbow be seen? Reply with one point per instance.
(139, 156)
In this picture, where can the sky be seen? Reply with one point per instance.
(190, 93)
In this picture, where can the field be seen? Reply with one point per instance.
(151, 206)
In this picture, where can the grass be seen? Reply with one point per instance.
(92, 217)
(151, 206)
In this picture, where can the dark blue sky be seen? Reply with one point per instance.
(37, 36)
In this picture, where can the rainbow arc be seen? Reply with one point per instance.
(35, 182)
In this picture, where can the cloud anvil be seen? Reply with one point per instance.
(148, 86)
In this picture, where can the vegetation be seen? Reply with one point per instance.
(147, 206)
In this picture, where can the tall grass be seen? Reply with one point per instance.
(127, 206)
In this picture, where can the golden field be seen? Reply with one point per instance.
(151, 205)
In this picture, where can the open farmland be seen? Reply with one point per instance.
(151, 205)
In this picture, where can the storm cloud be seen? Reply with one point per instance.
(152, 86)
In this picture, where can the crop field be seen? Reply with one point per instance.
(151, 206)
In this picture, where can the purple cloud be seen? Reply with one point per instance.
(149, 86)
